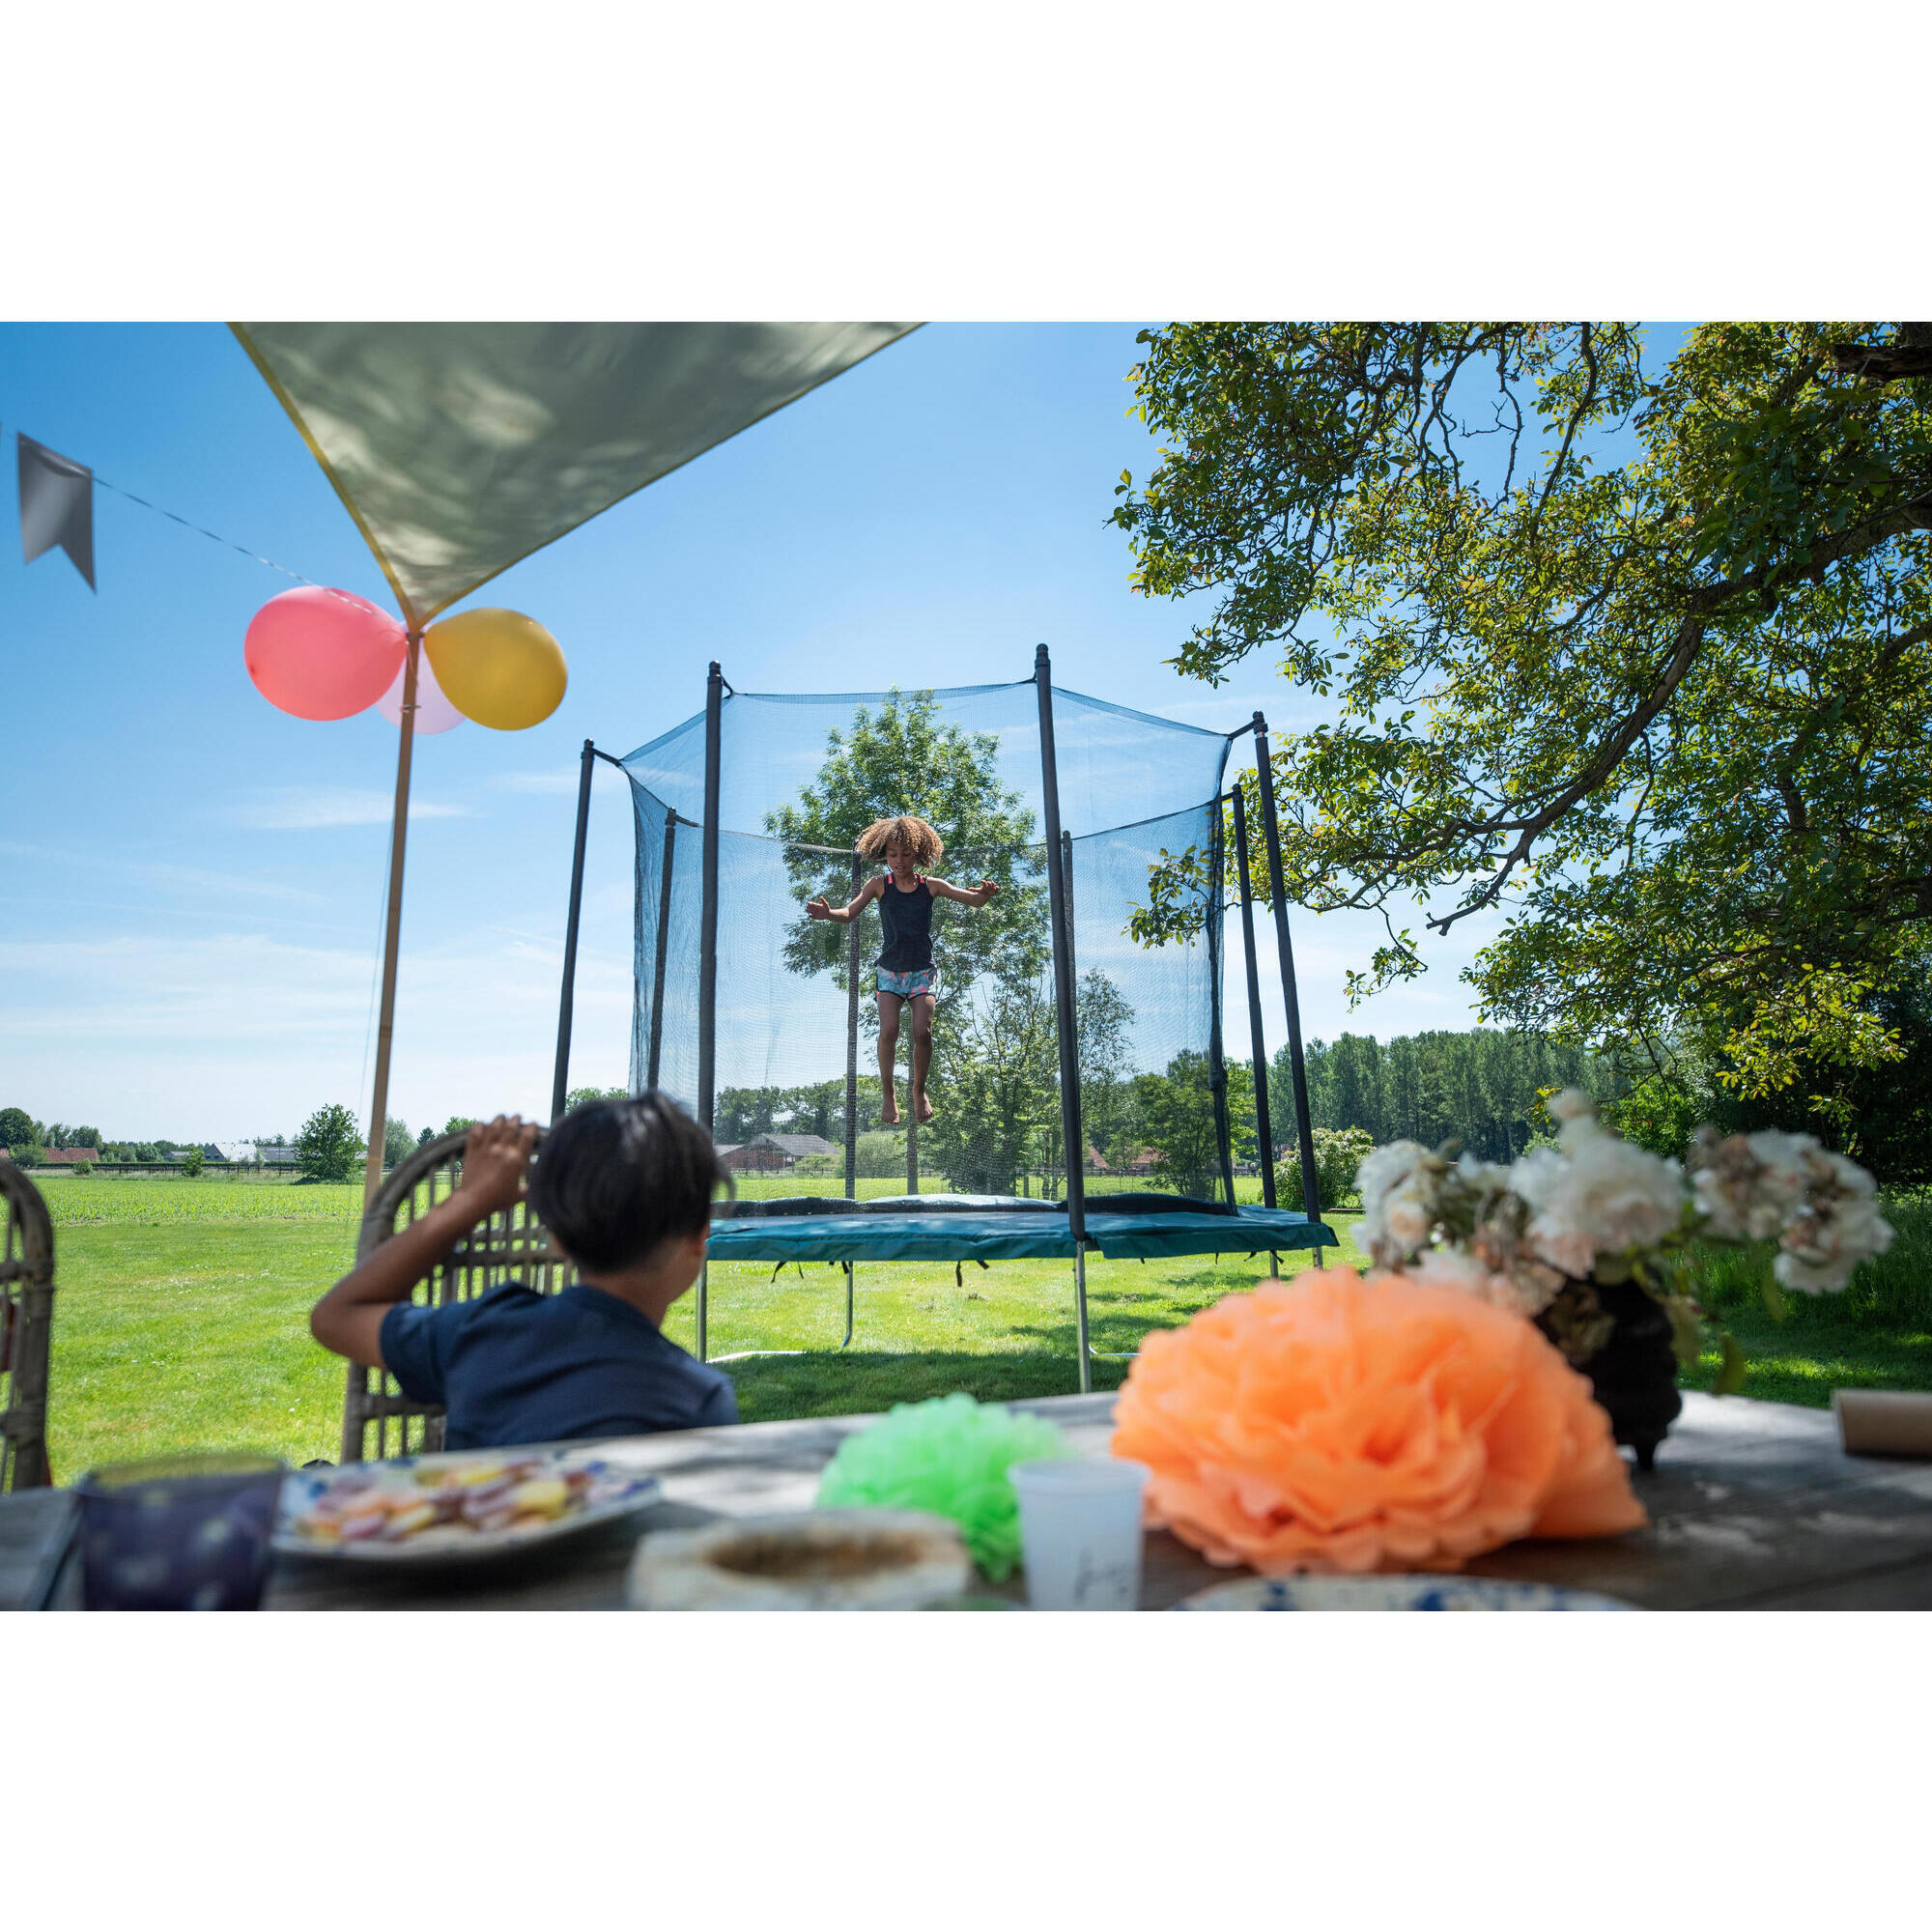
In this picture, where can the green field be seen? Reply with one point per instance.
(180, 1320)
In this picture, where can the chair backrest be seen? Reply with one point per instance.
(511, 1245)
(26, 1328)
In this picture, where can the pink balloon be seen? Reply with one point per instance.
(323, 653)
(433, 711)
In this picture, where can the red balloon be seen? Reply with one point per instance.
(323, 653)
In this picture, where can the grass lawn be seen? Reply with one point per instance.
(1877, 1334)
(180, 1320)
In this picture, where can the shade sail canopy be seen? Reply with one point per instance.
(461, 447)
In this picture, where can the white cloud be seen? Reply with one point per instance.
(196, 878)
(539, 781)
(292, 807)
(172, 878)
(222, 1034)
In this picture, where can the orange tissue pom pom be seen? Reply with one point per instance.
(1342, 1424)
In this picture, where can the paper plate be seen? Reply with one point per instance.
(1394, 1593)
(612, 1493)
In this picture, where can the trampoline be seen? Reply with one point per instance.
(1073, 1011)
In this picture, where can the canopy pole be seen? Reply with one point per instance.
(707, 942)
(385, 1024)
(560, 1079)
(1263, 1127)
(655, 1053)
(1311, 1189)
(852, 1068)
(1063, 993)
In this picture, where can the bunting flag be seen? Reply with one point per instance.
(56, 507)
(461, 447)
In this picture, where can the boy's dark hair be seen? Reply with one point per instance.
(615, 1180)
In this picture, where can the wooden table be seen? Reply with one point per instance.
(1753, 1506)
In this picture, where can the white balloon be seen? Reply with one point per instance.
(433, 711)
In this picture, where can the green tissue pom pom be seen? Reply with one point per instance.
(950, 1456)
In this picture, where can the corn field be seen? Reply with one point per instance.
(166, 1199)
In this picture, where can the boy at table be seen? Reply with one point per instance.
(624, 1189)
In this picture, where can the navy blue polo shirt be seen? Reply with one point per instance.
(513, 1365)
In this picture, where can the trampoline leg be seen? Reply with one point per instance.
(703, 1282)
(848, 1342)
(1274, 1264)
(1080, 1319)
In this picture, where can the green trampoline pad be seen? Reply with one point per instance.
(993, 1235)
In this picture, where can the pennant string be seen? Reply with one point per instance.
(227, 543)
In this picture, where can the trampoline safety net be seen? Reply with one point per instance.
(796, 1019)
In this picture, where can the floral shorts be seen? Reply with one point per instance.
(910, 985)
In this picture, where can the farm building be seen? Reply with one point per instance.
(769, 1153)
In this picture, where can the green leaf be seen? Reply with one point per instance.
(1731, 1372)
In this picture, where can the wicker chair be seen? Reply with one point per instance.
(511, 1245)
(26, 1328)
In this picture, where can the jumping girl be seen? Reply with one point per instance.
(906, 978)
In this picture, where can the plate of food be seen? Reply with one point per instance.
(1394, 1593)
(454, 1508)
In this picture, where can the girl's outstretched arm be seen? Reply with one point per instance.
(843, 915)
(976, 895)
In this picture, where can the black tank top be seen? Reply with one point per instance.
(907, 918)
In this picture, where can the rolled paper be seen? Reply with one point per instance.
(1883, 1422)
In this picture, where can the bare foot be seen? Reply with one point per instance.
(890, 1111)
(920, 1105)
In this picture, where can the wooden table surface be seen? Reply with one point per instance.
(1753, 1506)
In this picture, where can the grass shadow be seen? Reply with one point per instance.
(856, 1381)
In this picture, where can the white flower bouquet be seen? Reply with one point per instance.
(1539, 1235)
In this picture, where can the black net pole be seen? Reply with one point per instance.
(707, 946)
(1072, 970)
(1311, 1189)
(707, 931)
(852, 1042)
(1263, 1127)
(560, 1079)
(1062, 995)
(663, 950)
(1213, 917)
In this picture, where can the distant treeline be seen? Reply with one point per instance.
(1479, 1087)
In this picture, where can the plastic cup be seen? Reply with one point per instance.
(1080, 1532)
(187, 1533)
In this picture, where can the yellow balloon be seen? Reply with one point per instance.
(497, 667)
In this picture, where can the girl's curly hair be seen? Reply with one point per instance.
(915, 834)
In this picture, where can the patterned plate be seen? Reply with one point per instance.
(1394, 1593)
(315, 1499)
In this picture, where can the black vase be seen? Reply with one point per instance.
(1633, 1375)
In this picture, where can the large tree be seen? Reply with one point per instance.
(996, 1086)
(1642, 657)
(330, 1144)
(903, 757)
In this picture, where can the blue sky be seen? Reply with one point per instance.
(192, 881)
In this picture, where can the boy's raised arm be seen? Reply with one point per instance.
(348, 1319)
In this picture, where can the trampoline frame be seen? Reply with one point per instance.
(1060, 886)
